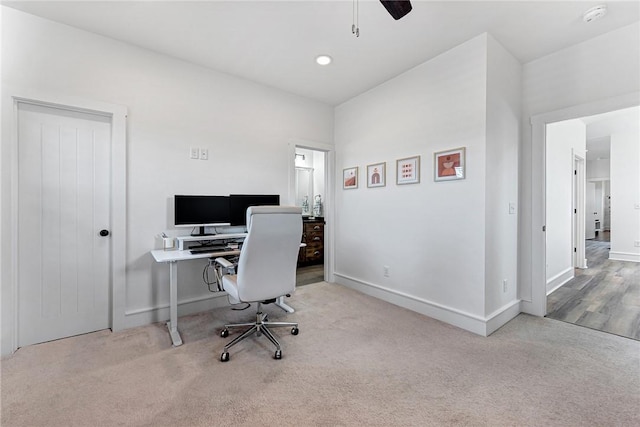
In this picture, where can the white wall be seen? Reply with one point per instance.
(172, 106)
(432, 235)
(598, 169)
(625, 195)
(564, 139)
(595, 71)
(504, 93)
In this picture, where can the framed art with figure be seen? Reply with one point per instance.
(376, 175)
(449, 165)
(350, 178)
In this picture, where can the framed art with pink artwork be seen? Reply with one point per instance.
(408, 170)
(449, 165)
(350, 178)
(376, 175)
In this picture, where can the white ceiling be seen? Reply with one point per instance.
(275, 42)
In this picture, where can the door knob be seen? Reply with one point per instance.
(104, 233)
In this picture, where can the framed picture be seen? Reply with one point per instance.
(377, 175)
(449, 165)
(408, 170)
(350, 178)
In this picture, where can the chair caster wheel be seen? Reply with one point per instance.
(224, 334)
(224, 357)
(294, 331)
(278, 355)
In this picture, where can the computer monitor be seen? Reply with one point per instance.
(201, 212)
(238, 204)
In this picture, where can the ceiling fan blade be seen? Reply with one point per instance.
(397, 8)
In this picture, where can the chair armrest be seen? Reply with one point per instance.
(225, 263)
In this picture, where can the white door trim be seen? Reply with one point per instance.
(538, 304)
(118, 115)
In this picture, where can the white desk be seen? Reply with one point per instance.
(172, 257)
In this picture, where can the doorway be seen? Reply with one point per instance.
(600, 293)
(532, 289)
(310, 193)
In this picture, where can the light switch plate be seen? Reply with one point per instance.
(204, 154)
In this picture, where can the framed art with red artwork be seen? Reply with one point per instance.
(449, 165)
(408, 170)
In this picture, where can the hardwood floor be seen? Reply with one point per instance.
(309, 274)
(605, 296)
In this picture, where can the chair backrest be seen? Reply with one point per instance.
(269, 254)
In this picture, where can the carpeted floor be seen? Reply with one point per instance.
(357, 361)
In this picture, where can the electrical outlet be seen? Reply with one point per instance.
(512, 208)
(204, 154)
(195, 153)
(504, 285)
(636, 243)
(387, 271)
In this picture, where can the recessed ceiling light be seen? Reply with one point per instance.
(323, 59)
(594, 13)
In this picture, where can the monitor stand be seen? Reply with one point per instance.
(201, 232)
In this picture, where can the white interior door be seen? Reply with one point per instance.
(591, 213)
(63, 204)
(579, 245)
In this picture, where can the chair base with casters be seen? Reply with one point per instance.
(266, 268)
(259, 327)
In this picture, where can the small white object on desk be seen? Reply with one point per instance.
(168, 243)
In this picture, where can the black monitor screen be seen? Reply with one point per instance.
(238, 204)
(198, 211)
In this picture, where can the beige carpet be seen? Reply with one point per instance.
(358, 361)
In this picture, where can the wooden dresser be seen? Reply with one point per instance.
(313, 236)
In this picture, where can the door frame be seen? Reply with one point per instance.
(329, 202)
(118, 117)
(578, 218)
(537, 304)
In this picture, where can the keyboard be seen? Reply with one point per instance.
(208, 249)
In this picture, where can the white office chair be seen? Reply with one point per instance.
(266, 268)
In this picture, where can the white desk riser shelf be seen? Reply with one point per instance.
(182, 239)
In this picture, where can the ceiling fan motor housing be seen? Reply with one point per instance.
(397, 8)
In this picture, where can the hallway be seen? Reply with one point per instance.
(605, 296)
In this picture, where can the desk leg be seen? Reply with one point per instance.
(280, 303)
(172, 324)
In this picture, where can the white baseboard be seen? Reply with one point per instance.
(560, 279)
(470, 322)
(502, 316)
(148, 315)
(624, 256)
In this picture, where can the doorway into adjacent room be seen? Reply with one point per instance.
(311, 196)
(601, 292)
